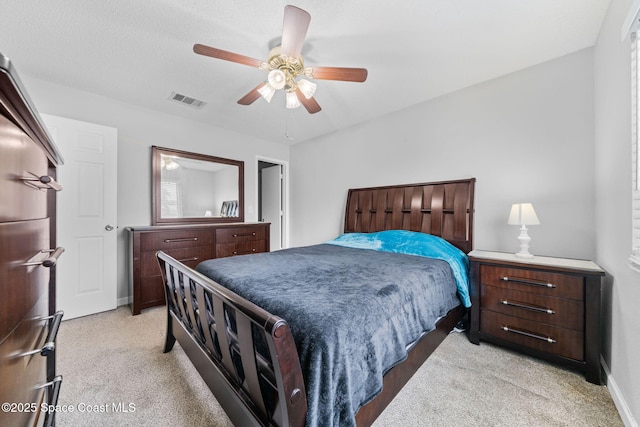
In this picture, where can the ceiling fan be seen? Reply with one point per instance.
(285, 66)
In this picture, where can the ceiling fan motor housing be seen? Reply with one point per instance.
(291, 67)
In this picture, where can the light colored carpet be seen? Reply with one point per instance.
(115, 374)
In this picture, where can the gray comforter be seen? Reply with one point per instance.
(352, 313)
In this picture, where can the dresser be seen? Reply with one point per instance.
(545, 307)
(28, 318)
(189, 244)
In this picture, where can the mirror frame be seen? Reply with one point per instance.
(156, 213)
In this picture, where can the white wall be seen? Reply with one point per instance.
(612, 77)
(526, 137)
(138, 130)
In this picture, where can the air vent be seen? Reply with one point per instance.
(187, 100)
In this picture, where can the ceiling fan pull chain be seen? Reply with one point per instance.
(287, 132)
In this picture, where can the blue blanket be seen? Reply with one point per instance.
(352, 313)
(413, 243)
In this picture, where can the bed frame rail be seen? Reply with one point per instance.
(236, 346)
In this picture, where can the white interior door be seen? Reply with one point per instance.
(86, 216)
(272, 209)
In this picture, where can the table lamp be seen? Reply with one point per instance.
(523, 214)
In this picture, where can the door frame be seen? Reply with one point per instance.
(285, 194)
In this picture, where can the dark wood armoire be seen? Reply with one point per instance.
(28, 318)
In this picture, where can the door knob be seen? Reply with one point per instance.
(108, 227)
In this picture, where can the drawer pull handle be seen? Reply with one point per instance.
(528, 307)
(44, 182)
(184, 239)
(54, 393)
(528, 282)
(195, 258)
(527, 334)
(244, 234)
(51, 260)
(50, 343)
(245, 252)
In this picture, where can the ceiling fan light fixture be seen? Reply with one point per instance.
(292, 100)
(285, 66)
(267, 91)
(277, 79)
(307, 88)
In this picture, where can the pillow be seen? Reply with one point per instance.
(414, 243)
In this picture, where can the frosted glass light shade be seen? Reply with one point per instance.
(523, 214)
(277, 79)
(267, 91)
(292, 100)
(307, 88)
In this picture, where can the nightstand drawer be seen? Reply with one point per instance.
(172, 239)
(240, 234)
(534, 281)
(241, 248)
(539, 336)
(566, 313)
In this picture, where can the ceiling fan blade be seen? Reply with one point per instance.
(310, 104)
(339, 73)
(201, 49)
(252, 96)
(294, 30)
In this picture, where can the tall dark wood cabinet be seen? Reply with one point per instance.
(28, 318)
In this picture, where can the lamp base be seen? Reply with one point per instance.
(524, 243)
(523, 255)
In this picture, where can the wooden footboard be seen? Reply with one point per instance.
(246, 355)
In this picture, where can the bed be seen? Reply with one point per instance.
(273, 355)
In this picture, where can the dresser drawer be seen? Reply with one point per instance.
(21, 286)
(242, 248)
(240, 234)
(23, 376)
(173, 239)
(534, 281)
(539, 336)
(24, 307)
(563, 312)
(188, 256)
(21, 157)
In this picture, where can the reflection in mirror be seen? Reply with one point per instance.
(195, 188)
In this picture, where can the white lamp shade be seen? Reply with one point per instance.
(267, 91)
(307, 88)
(277, 79)
(523, 214)
(292, 100)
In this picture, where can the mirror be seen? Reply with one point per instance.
(191, 188)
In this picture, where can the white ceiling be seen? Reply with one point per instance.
(139, 51)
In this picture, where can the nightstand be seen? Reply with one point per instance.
(542, 306)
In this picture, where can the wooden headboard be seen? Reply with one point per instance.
(444, 209)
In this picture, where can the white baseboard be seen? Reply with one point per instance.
(124, 301)
(618, 398)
